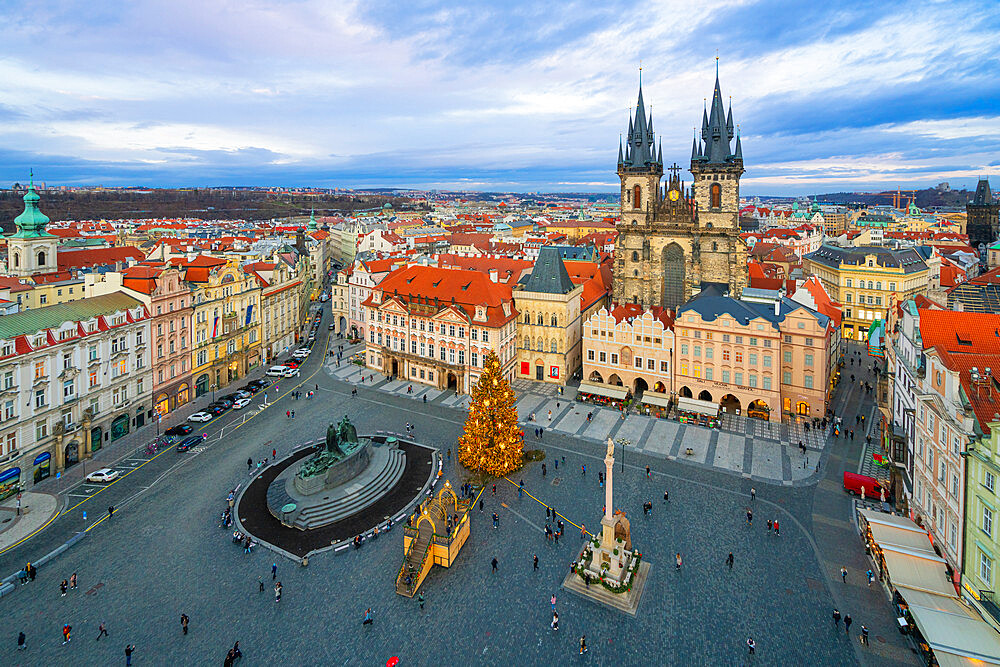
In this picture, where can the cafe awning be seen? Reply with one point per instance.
(917, 570)
(654, 398)
(956, 636)
(611, 391)
(698, 407)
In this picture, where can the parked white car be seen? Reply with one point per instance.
(241, 403)
(200, 417)
(291, 372)
(277, 371)
(103, 476)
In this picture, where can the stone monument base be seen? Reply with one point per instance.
(627, 602)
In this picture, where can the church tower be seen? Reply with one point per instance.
(640, 167)
(31, 249)
(717, 167)
(982, 221)
(675, 241)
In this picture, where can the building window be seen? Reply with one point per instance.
(753, 380)
(985, 568)
(767, 361)
(663, 366)
(41, 430)
(787, 356)
(638, 362)
(767, 382)
(715, 196)
(708, 373)
(709, 353)
(725, 377)
(725, 355)
(989, 481)
(954, 485)
(739, 357)
(808, 381)
(739, 378)
(684, 348)
(809, 360)
(590, 355)
(786, 377)
(614, 358)
(475, 359)
(753, 359)
(650, 364)
(68, 389)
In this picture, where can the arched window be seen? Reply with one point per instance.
(878, 285)
(17, 260)
(870, 285)
(636, 196)
(554, 321)
(527, 318)
(715, 246)
(716, 195)
(539, 319)
(553, 346)
(635, 256)
(41, 258)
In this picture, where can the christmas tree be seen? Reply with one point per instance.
(493, 441)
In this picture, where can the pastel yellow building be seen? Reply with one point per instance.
(227, 334)
(866, 281)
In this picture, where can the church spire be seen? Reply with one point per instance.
(640, 144)
(621, 160)
(717, 128)
(32, 221)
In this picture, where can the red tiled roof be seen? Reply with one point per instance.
(963, 340)
(90, 257)
(625, 311)
(468, 288)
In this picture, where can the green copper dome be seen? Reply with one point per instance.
(312, 221)
(32, 222)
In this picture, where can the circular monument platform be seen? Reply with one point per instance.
(372, 480)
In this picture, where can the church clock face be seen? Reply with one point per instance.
(674, 195)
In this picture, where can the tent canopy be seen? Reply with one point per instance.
(697, 406)
(611, 391)
(653, 398)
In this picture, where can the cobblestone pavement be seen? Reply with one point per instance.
(762, 451)
(162, 554)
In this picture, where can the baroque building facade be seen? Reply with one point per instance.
(672, 240)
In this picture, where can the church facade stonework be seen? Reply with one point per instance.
(673, 240)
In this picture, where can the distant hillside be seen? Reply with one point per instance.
(925, 198)
(205, 204)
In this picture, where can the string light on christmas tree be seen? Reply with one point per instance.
(492, 442)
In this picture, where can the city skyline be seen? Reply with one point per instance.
(523, 98)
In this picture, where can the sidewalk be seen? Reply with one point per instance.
(37, 509)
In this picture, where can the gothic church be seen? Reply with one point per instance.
(673, 241)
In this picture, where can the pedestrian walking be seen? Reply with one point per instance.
(22, 642)
(288, 413)
(249, 464)
(647, 472)
(184, 623)
(496, 520)
(583, 469)
(677, 560)
(534, 564)
(583, 644)
(129, 648)
(480, 504)
(753, 494)
(777, 530)
(260, 582)
(543, 470)
(274, 453)
(843, 574)
(494, 563)
(836, 618)
(729, 560)
(666, 496)
(769, 525)
(420, 601)
(62, 588)
(67, 629)
(277, 591)
(552, 601)
(101, 631)
(749, 516)
(72, 580)
(864, 634)
(555, 621)
(752, 645)
(369, 617)
(111, 511)
(847, 623)
(274, 571)
(871, 576)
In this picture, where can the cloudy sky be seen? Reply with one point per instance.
(495, 95)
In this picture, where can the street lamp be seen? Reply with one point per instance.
(213, 393)
(623, 442)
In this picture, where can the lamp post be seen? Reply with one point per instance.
(213, 393)
(623, 442)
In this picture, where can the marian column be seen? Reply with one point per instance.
(608, 532)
